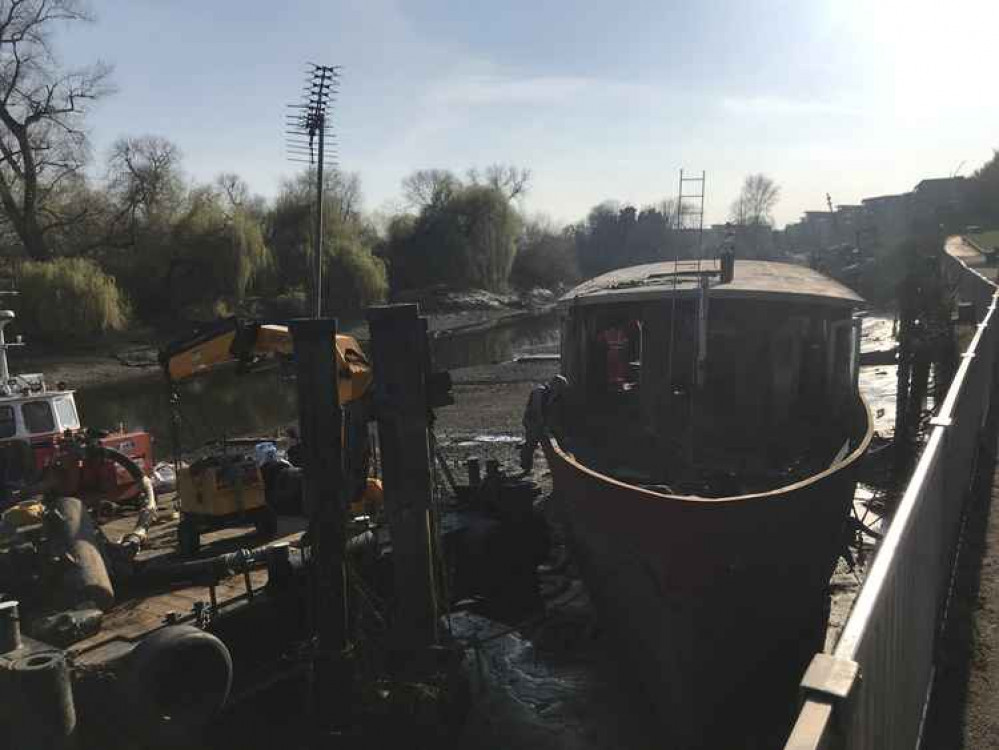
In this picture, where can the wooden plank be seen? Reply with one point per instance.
(134, 618)
(399, 349)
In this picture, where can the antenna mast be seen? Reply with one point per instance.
(306, 143)
(6, 317)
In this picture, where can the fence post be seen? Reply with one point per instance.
(400, 358)
(320, 421)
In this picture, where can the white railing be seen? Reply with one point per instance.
(872, 692)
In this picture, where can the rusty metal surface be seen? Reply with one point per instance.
(753, 279)
(721, 601)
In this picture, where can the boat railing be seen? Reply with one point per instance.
(872, 692)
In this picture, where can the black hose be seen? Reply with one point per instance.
(229, 564)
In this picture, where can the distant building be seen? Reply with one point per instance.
(887, 219)
(879, 222)
(939, 200)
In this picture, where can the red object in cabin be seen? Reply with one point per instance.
(617, 342)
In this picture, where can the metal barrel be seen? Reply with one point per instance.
(45, 718)
(74, 540)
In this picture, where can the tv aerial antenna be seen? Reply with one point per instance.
(307, 128)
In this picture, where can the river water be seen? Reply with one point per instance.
(228, 404)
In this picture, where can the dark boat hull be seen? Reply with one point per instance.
(719, 602)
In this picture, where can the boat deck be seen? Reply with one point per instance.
(137, 614)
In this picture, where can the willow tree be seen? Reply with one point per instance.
(353, 275)
(215, 252)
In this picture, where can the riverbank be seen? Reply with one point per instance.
(132, 356)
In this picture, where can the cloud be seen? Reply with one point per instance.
(486, 89)
(778, 106)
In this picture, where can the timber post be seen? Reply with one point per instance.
(401, 361)
(320, 420)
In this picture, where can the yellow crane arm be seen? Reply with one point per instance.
(233, 340)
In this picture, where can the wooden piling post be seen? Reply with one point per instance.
(320, 420)
(401, 362)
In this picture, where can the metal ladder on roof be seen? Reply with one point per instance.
(690, 210)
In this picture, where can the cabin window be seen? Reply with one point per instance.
(38, 417)
(7, 425)
(66, 411)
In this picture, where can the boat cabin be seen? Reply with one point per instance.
(691, 381)
(33, 413)
(28, 410)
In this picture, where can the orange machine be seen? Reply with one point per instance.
(226, 487)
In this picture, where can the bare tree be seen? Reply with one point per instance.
(756, 201)
(669, 208)
(345, 189)
(429, 187)
(42, 108)
(508, 179)
(144, 178)
(234, 190)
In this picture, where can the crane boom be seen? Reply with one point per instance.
(237, 341)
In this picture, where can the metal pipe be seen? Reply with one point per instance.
(318, 312)
(6, 316)
(73, 539)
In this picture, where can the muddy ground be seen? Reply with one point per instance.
(485, 420)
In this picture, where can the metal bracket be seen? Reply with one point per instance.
(941, 422)
(830, 676)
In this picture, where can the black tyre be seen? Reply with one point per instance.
(177, 680)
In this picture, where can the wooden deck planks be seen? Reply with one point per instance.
(133, 618)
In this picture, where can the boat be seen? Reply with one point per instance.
(703, 439)
(38, 424)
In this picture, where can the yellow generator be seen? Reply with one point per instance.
(225, 490)
(217, 491)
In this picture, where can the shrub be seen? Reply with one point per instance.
(467, 241)
(354, 277)
(545, 258)
(69, 298)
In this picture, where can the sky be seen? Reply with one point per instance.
(600, 100)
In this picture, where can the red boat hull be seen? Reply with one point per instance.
(721, 602)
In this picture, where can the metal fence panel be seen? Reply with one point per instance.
(892, 631)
